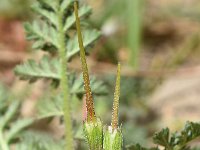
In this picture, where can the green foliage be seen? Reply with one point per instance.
(174, 141)
(50, 106)
(10, 125)
(33, 140)
(162, 138)
(53, 32)
(46, 68)
(180, 140)
(3, 98)
(44, 32)
(45, 35)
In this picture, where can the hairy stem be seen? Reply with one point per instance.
(89, 99)
(64, 84)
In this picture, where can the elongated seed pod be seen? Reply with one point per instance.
(113, 138)
(115, 111)
(92, 126)
(89, 99)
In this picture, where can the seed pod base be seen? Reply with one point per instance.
(93, 132)
(112, 139)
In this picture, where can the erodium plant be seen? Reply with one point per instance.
(53, 32)
(97, 139)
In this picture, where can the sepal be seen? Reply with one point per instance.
(93, 132)
(113, 139)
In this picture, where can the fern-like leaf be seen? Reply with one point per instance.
(50, 107)
(49, 15)
(32, 71)
(178, 140)
(4, 96)
(34, 140)
(48, 4)
(10, 126)
(162, 138)
(189, 133)
(44, 35)
(65, 5)
(17, 127)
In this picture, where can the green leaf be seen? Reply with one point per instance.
(89, 36)
(9, 114)
(162, 138)
(189, 133)
(34, 140)
(49, 107)
(5, 119)
(70, 21)
(16, 127)
(50, 15)
(44, 35)
(65, 4)
(178, 140)
(32, 71)
(4, 97)
(48, 4)
(10, 125)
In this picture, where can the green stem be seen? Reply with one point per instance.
(3, 143)
(64, 84)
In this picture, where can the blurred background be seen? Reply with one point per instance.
(158, 45)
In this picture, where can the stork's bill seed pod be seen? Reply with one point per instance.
(112, 139)
(92, 126)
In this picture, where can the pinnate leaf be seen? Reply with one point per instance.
(34, 140)
(44, 35)
(32, 70)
